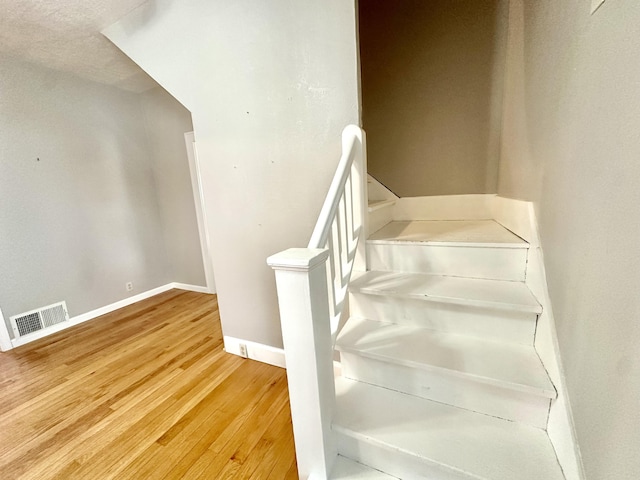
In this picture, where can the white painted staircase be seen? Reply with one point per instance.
(440, 378)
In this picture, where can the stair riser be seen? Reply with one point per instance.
(462, 261)
(450, 389)
(379, 218)
(394, 462)
(489, 323)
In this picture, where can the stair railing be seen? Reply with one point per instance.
(312, 287)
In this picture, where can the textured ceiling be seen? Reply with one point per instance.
(65, 35)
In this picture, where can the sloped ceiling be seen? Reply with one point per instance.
(65, 35)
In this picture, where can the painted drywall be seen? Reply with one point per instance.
(79, 214)
(432, 75)
(571, 145)
(167, 121)
(79, 192)
(270, 86)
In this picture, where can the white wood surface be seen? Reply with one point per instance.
(472, 261)
(346, 469)
(446, 289)
(301, 279)
(440, 386)
(428, 438)
(201, 215)
(444, 207)
(504, 365)
(255, 351)
(520, 217)
(379, 217)
(481, 233)
(378, 204)
(515, 215)
(377, 191)
(489, 323)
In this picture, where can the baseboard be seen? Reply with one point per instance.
(84, 317)
(519, 217)
(255, 351)
(191, 288)
(377, 191)
(516, 215)
(444, 207)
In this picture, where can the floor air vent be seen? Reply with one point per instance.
(35, 320)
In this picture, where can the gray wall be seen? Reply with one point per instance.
(270, 85)
(571, 145)
(432, 74)
(167, 121)
(84, 219)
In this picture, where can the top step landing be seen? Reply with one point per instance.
(478, 233)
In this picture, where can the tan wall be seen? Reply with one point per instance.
(571, 144)
(432, 74)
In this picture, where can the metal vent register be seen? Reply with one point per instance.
(39, 319)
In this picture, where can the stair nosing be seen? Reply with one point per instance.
(435, 243)
(519, 387)
(392, 448)
(494, 382)
(368, 431)
(537, 309)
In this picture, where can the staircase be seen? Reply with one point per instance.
(440, 378)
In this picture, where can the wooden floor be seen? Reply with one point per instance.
(143, 393)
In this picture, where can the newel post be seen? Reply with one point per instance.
(301, 280)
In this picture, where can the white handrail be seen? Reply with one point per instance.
(341, 220)
(322, 229)
(312, 286)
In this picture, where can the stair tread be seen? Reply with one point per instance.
(454, 438)
(506, 365)
(499, 294)
(346, 469)
(480, 233)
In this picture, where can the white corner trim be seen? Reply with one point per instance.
(191, 288)
(377, 191)
(519, 217)
(255, 351)
(516, 215)
(201, 213)
(444, 207)
(5, 339)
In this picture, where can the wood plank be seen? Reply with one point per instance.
(143, 392)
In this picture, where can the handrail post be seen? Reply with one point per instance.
(301, 281)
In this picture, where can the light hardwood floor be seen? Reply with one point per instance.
(143, 393)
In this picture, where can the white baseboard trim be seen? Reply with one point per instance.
(516, 215)
(377, 191)
(255, 351)
(520, 217)
(191, 288)
(444, 207)
(84, 317)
